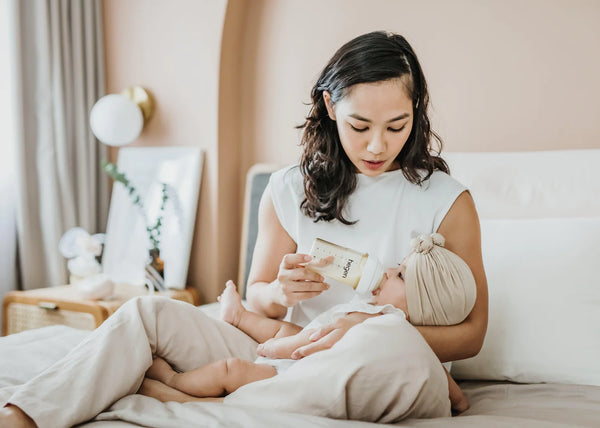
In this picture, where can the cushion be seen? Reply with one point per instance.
(544, 296)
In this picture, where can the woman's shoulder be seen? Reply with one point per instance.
(288, 173)
(441, 178)
(286, 179)
(286, 189)
(440, 182)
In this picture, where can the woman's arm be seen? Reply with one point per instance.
(277, 278)
(461, 230)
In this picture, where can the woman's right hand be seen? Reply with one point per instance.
(295, 283)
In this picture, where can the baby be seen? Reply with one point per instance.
(433, 286)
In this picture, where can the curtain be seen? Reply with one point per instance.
(59, 64)
(8, 228)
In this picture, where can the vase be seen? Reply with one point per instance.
(156, 262)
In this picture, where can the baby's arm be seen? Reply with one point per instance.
(258, 327)
(284, 345)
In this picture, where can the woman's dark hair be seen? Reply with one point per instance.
(329, 175)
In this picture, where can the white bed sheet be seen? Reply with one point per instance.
(493, 404)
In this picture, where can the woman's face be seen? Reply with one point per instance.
(374, 121)
(392, 290)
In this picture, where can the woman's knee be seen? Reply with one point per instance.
(149, 304)
(142, 302)
(144, 308)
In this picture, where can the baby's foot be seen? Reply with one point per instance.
(160, 370)
(231, 304)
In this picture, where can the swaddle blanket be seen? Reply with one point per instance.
(357, 304)
(381, 371)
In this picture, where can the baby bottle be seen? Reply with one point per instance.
(360, 271)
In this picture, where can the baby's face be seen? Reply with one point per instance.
(392, 290)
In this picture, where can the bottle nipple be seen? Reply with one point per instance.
(371, 276)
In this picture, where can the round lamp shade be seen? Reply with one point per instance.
(116, 120)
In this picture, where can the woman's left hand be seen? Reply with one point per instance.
(327, 336)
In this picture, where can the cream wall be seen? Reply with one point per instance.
(173, 48)
(503, 75)
(232, 76)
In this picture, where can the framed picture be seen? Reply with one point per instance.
(127, 244)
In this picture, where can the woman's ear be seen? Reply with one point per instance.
(329, 105)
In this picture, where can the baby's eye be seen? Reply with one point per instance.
(400, 275)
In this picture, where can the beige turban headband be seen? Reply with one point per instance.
(440, 288)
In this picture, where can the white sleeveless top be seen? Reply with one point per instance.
(390, 211)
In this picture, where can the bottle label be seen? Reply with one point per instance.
(347, 265)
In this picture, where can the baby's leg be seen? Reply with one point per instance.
(458, 400)
(258, 327)
(162, 392)
(213, 380)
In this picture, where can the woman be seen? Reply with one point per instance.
(366, 169)
(367, 135)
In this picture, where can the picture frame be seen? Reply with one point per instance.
(126, 247)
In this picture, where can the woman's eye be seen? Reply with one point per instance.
(358, 129)
(396, 129)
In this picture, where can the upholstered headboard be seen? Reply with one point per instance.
(256, 182)
(561, 183)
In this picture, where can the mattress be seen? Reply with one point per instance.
(493, 404)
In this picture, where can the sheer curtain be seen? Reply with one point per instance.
(8, 227)
(59, 74)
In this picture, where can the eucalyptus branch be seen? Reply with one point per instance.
(154, 230)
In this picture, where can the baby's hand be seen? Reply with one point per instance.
(284, 346)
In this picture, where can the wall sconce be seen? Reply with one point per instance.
(118, 119)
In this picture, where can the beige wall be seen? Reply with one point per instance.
(173, 48)
(232, 77)
(503, 75)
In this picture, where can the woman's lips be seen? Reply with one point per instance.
(373, 165)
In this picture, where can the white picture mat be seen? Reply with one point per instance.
(127, 244)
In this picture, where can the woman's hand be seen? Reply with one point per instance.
(274, 286)
(295, 282)
(327, 336)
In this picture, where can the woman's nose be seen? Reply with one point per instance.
(376, 144)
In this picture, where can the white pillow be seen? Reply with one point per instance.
(544, 295)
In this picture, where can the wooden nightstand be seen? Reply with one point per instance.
(25, 310)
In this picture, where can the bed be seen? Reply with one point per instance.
(539, 365)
